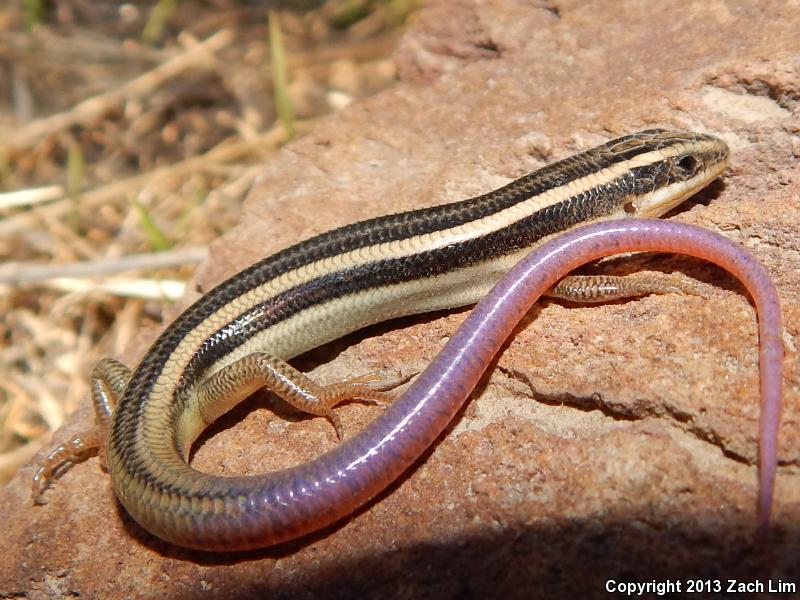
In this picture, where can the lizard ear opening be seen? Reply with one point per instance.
(688, 164)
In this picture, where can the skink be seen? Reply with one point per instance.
(236, 338)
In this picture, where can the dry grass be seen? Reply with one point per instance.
(120, 160)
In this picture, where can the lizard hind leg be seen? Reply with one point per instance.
(231, 384)
(590, 289)
(108, 381)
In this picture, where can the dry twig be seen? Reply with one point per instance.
(91, 109)
(17, 273)
(224, 152)
(30, 196)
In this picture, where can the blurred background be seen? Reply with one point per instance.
(130, 134)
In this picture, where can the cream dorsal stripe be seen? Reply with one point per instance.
(642, 171)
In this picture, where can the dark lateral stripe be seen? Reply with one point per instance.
(412, 223)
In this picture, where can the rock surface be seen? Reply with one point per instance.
(615, 442)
